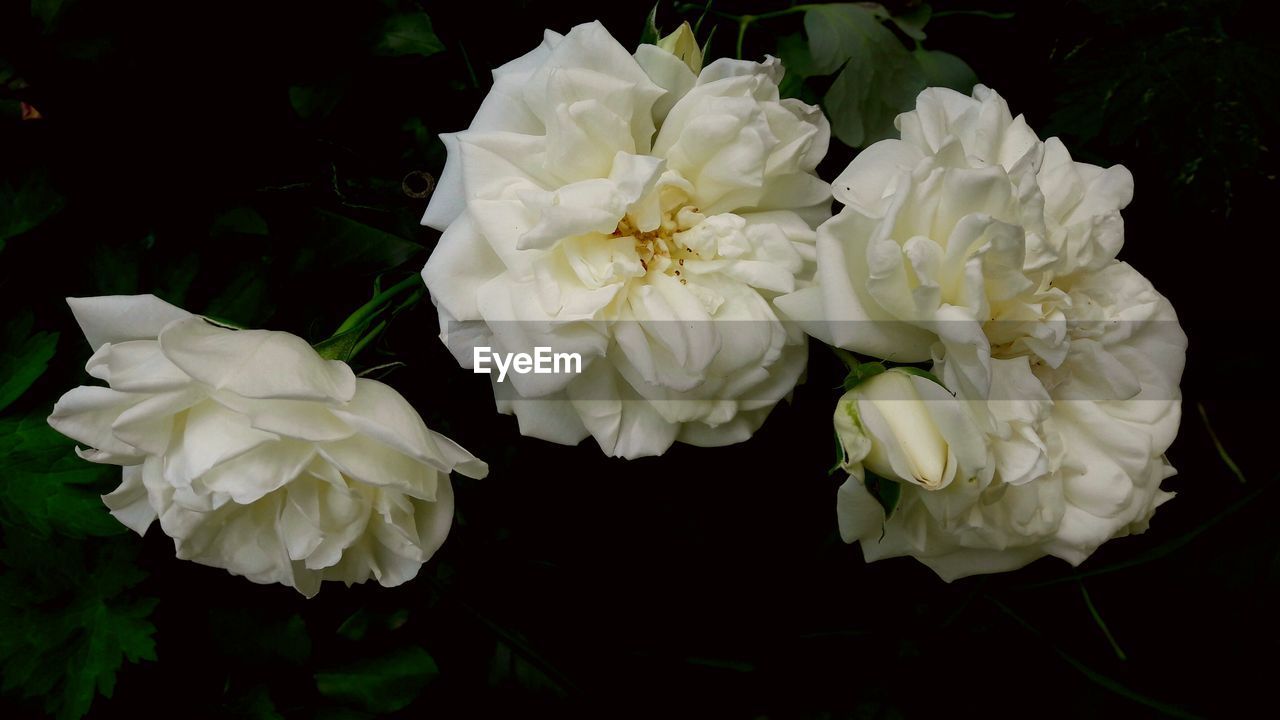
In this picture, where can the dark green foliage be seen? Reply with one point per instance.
(68, 620)
(267, 164)
(24, 355)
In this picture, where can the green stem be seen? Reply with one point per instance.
(371, 308)
(1097, 619)
(1217, 444)
(368, 338)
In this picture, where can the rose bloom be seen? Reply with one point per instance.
(971, 243)
(644, 215)
(257, 455)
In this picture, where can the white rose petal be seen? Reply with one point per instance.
(257, 455)
(972, 244)
(625, 208)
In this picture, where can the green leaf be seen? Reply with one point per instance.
(24, 357)
(315, 102)
(861, 373)
(68, 620)
(886, 492)
(942, 69)
(912, 370)
(346, 243)
(650, 34)
(798, 63)
(250, 638)
(382, 684)
(912, 22)
(878, 78)
(363, 621)
(46, 488)
(46, 11)
(26, 205)
(238, 221)
(409, 33)
(343, 345)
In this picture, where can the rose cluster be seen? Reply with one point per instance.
(664, 221)
(972, 245)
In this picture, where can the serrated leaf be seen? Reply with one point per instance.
(24, 356)
(942, 69)
(409, 33)
(46, 488)
(26, 205)
(381, 684)
(68, 621)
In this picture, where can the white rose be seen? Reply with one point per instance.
(972, 243)
(645, 217)
(257, 455)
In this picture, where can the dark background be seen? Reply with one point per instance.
(708, 582)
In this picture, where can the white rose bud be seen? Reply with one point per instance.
(683, 44)
(257, 455)
(905, 427)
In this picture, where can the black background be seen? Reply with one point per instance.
(707, 582)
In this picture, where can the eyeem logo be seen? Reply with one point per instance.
(541, 362)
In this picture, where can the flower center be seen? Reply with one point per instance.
(665, 248)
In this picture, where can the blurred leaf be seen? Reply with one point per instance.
(912, 22)
(339, 241)
(358, 626)
(45, 487)
(248, 637)
(239, 220)
(508, 668)
(116, 269)
(383, 684)
(46, 11)
(254, 704)
(878, 77)
(409, 33)
(67, 622)
(942, 69)
(26, 205)
(24, 356)
(317, 101)
(243, 303)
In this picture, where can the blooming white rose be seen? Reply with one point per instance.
(645, 217)
(257, 455)
(972, 243)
